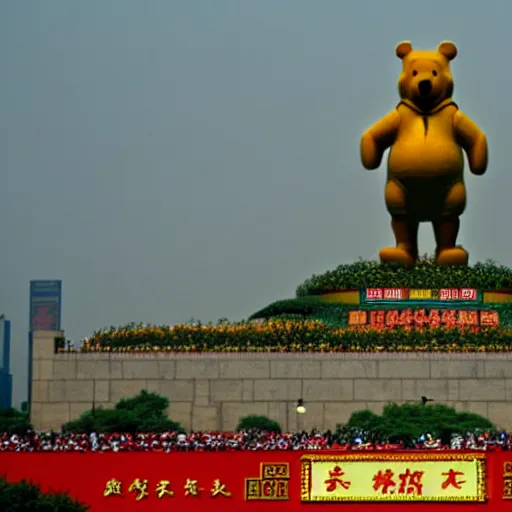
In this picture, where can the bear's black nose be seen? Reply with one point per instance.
(425, 87)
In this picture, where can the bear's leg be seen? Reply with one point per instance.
(405, 253)
(447, 253)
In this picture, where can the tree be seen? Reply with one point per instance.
(258, 423)
(408, 422)
(145, 412)
(25, 497)
(14, 422)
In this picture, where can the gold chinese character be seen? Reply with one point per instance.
(507, 489)
(279, 470)
(219, 489)
(162, 490)
(113, 486)
(252, 489)
(282, 489)
(140, 488)
(191, 488)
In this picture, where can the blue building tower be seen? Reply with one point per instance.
(5, 363)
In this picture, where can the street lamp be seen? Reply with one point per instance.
(300, 406)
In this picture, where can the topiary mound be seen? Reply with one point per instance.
(426, 274)
(304, 308)
(309, 323)
(336, 314)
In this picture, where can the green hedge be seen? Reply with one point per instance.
(303, 308)
(372, 274)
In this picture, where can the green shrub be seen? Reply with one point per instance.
(14, 422)
(26, 496)
(409, 421)
(426, 274)
(304, 308)
(258, 423)
(145, 412)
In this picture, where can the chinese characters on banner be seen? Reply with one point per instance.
(423, 318)
(507, 480)
(272, 485)
(397, 477)
(140, 489)
(394, 294)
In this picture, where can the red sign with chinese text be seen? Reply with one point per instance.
(386, 294)
(153, 482)
(444, 294)
(424, 318)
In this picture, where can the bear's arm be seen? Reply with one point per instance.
(378, 138)
(473, 142)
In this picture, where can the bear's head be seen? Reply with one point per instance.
(426, 79)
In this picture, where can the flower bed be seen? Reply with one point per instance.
(308, 324)
(295, 336)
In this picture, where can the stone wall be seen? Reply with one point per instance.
(213, 391)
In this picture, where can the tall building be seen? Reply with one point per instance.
(45, 314)
(5, 363)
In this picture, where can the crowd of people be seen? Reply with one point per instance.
(248, 440)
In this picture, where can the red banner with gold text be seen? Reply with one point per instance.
(284, 481)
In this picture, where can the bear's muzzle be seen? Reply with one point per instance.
(425, 88)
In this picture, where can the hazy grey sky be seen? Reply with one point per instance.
(169, 159)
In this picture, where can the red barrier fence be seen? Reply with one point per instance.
(284, 481)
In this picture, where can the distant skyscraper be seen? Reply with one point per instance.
(45, 305)
(5, 363)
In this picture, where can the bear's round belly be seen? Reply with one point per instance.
(426, 156)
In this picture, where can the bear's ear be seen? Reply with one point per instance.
(403, 49)
(448, 49)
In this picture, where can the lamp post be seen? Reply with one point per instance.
(300, 406)
(300, 409)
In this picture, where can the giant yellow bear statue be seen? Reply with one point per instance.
(426, 133)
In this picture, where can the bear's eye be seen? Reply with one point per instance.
(414, 73)
(434, 72)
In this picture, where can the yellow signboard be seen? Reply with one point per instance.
(393, 477)
(423, 294)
